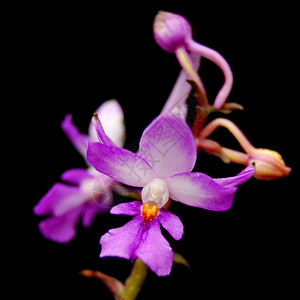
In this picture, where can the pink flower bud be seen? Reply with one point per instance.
(269, 164)
(171, 31)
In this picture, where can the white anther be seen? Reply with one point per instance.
(156, 191)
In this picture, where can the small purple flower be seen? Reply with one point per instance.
(86, 192)
(162, 168)
(143, 239)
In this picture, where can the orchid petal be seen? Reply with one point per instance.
(155, 251)
(57, 193)
(79, 140)
(61, 229)
(122, 241)
(111, 116)
(200, 190)
(171, 223)
(129, 209)
(73, 197)
(76, 176)
(102, 137)
(60, 199)
(168, 145)
(92, 208)
(120, 164)
(240, 178)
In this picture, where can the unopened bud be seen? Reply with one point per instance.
(269, 164)
(171, 31)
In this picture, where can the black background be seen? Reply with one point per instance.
(70, 59)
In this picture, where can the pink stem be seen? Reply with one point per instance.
(219, 60)
(237, 133)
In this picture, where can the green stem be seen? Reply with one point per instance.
(134, 282)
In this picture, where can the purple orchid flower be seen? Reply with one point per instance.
(162, 168)
(86, 192)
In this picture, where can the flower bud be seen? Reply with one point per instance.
(171, 31)
(269, 164)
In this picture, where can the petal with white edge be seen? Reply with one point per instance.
(168, 145)
(200, 190)
(119, 164)
(111, 115)
(60, 199)
(240, 178)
